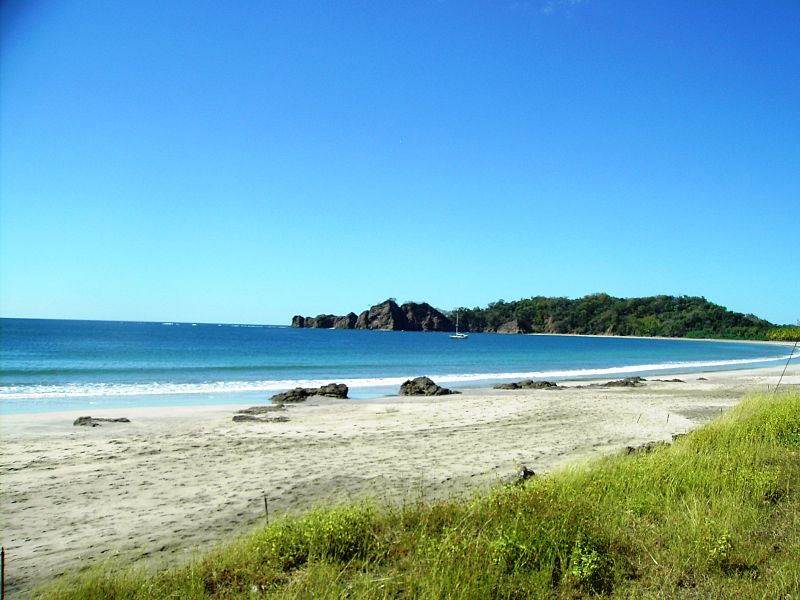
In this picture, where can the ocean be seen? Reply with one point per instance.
(55, 365)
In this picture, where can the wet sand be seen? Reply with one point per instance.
(176, 480)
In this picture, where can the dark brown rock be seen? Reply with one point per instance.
(252, 418)
(386, 315)
(423, 317)
(348, 321)
(411, 316)
(325, 321)
(627, 382)
(292, 396)
(96, 421)
(423, 386)
(512, 326)
(332, 390)
(525, 473)
(528, 384)
(645, 448)
(260, 410)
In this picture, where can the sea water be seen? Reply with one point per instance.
(53, 365)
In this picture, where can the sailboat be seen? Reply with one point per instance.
(457, 335)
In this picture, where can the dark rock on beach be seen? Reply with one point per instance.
(627, 382)
(254, 419)
(645, 448)
(528, 384)
(292, 396)
(96, 421)
(423, 386)
(260, 410)
(332, 390)
(525, 473)
(519, 476)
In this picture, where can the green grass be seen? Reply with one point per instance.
(716, 514)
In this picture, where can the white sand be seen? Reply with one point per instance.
(178, 479)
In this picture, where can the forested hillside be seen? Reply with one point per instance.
(669, 316)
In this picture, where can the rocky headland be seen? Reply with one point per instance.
(596, 314)
(387, 315)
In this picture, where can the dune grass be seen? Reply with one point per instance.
(716, 514)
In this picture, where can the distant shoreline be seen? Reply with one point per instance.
(660, 337)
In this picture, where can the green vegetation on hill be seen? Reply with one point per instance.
(716, 514)
(790, 333)
(601, 314)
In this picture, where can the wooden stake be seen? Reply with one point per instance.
(266, 509)
(3, 573)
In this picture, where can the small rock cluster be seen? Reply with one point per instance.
(627, 382)
(332, 390)
(97, 421)
(528, 384)
(256, 413)
(424, 386)
(279, 419)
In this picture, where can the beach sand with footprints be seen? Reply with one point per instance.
(174, 481)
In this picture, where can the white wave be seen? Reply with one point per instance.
(232, 387)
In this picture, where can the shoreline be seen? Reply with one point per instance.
(661, 337)
(177, 480)
(381, 387)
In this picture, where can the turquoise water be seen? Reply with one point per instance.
(49, 365)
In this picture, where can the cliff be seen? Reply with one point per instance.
(388, 316)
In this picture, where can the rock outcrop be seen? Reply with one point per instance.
(299, 394)
(520, 476)
(260, 410)
(424, 386)
(96, 421)
(423, 317)
(253, 418)
(348, 321)
(528, 384)
(512, 326)
(626, 382)
(388, 315)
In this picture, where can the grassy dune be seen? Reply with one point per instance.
(716, 514)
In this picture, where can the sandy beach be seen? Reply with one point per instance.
(176, 480)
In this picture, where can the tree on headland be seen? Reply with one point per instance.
(601, 314)
(788, 333)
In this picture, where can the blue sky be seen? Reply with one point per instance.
(246, 161)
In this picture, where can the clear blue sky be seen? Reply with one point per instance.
(246, 161)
